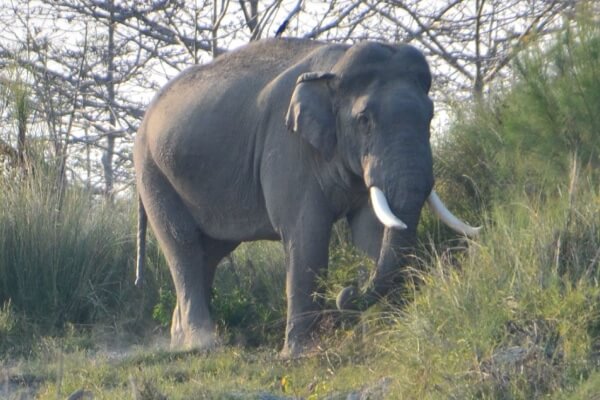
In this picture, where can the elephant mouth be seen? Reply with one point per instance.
(385, 215)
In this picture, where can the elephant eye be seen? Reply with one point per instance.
(363, 121)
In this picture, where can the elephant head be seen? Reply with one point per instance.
(370, 115)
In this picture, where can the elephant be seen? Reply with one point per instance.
(277, 140)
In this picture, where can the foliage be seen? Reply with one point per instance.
(516, 316)
(11, 327)
(347, 266)
(163, 309)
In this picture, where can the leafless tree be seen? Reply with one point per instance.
(88, 68)
(472, 42)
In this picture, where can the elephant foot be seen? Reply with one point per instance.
(194, 339)
(351, 299)
(294, 350)
(347, 299)
(200, 334)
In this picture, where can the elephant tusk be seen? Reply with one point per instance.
(382, 210)
(440, 210)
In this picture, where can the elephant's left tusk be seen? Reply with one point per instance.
(382, 210)
(440, 210)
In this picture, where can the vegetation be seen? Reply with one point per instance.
(526, 138)
(514, 314)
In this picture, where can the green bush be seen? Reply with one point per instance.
(248, 299)
(348, 266)
(515, 313)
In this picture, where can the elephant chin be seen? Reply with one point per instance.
(382, 210)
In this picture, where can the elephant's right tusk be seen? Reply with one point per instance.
(440, 210)
(382, 210)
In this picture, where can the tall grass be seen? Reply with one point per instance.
(514, 314)
(65, 257)
(518, 318)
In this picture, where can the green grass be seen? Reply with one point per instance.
(511, 315)
(229, 372)
(519, 317)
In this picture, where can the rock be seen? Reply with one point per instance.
(377, 391)
(145, 390)
(81, 394)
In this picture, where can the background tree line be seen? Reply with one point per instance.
(76, 76)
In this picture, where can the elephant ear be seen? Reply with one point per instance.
(310, 113)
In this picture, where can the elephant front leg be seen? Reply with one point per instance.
(307, 256)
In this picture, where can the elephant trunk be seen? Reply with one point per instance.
(407, 195)
(399, 185)
(398, 244)
(395, 253)
(396, 249)
(397, 201)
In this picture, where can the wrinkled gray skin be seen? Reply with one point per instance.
(237, 151)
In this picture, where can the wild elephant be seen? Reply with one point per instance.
(278, 140)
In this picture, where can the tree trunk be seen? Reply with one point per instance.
(107, 158)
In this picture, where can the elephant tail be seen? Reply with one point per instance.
(141, 243)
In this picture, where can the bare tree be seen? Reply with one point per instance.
(471, 42)
(107, 157)
(92, 66)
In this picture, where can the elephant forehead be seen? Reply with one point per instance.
(362, 54)
(359, 69)
(382, 98)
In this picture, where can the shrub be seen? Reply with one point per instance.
(515, 315)
(249, 294)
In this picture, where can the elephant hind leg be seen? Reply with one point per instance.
(182, 336)
(214, 252)
(192, 258)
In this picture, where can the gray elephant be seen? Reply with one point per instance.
(277, 140)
